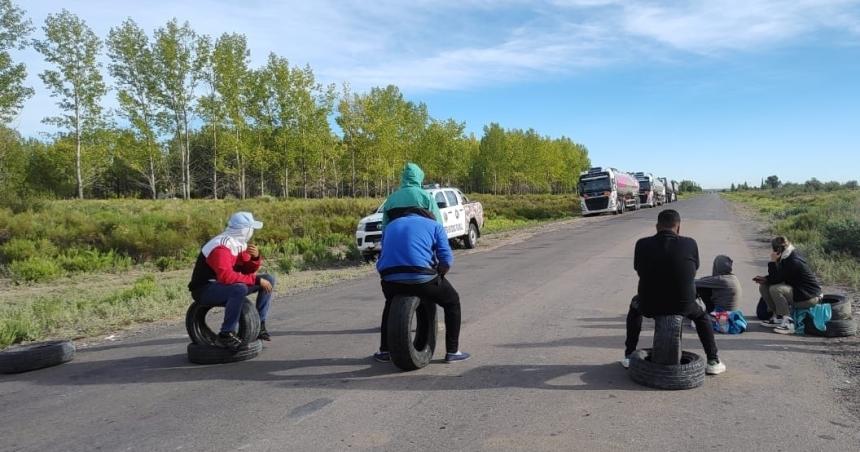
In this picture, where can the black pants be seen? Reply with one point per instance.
(438, 291)
(704, 328)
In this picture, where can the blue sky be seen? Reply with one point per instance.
(717, 91)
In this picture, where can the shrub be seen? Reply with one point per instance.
(35, 269)
(22, 249)
(842, 236)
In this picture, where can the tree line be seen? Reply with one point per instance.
(812, 185)
(195, 119)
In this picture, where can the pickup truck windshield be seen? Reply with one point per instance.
(592, 185)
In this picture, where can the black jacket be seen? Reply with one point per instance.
(794, 271)
(666, 264)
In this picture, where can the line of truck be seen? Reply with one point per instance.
(608, 190)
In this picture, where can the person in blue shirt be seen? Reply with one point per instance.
(414, 259)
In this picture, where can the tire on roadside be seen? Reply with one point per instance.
(410, 351)
(38, 355)
(689, 374)
(840, 306)
(200, 333)
(208, 354)
(835, 328)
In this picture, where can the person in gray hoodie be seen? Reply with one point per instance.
(722, 289)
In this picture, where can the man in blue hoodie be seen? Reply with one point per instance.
(414, 259)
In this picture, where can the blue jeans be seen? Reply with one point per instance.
(231, 297)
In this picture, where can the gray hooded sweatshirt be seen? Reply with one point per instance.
(726, 288)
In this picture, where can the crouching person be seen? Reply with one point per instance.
(226, 272)
(721, 290)
(789, 283)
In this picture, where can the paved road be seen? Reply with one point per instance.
(545, 322)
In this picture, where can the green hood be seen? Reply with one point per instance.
(412, 176)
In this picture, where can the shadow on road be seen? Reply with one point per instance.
(334, 373)
(373, 330)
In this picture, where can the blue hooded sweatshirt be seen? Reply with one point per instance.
(412, 247)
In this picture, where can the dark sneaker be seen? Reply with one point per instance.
(264, 335)
(229, 340)
(456, 357)
(383, 357)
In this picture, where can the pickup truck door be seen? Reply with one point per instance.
(447, 212)
(455, 203)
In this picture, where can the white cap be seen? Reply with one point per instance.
(241, 220)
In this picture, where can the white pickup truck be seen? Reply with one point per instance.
(462, 219)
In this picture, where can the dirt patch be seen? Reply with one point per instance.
(845, 351)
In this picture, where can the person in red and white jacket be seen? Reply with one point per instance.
(226, 272)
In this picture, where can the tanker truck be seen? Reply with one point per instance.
(652, 192)
(607, 190)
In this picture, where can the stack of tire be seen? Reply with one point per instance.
(840, 324)
(204, 347)
(666, 366)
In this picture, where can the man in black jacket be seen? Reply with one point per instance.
(789, 283)
(667, 264)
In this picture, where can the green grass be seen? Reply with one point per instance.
(49, 249)
(86, 314)
(825, 225)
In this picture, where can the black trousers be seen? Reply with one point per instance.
(704, 328)
(438, 291)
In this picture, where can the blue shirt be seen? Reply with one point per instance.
(416, 242)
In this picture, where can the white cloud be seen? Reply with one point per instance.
(450, 45)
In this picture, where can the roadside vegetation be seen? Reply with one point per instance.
(144, 251)
(822, 219)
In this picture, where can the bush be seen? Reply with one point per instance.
(842, 236)
(22, 249)
(35, 269)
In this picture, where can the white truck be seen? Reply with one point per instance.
(607, 190)
(462, 219)
(652, 192)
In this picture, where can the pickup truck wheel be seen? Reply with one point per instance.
(471, 239)
(411, 350)
(200, 333)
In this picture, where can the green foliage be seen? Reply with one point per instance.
(842, 235)
(688, 186)
(14, 28)
(824, 224)
(144, 300)
(35, 269)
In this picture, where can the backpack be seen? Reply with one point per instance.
(729, 322)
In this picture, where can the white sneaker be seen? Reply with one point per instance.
(715, 367)
(773, 322)
(625, 363)
(786, 327)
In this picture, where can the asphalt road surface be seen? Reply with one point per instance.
(544, 320)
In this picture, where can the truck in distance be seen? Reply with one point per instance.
(652, 192)
(607, 190)
(671, 192)
(463, 219)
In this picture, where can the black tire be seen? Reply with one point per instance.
(761, 310)
(689, 374)
(840, 306)
(200, 333)
(38, 355)
(667, 340)
(411, 351)
(470, 241)
(368, 257)
(835, 328)
(207, 354)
